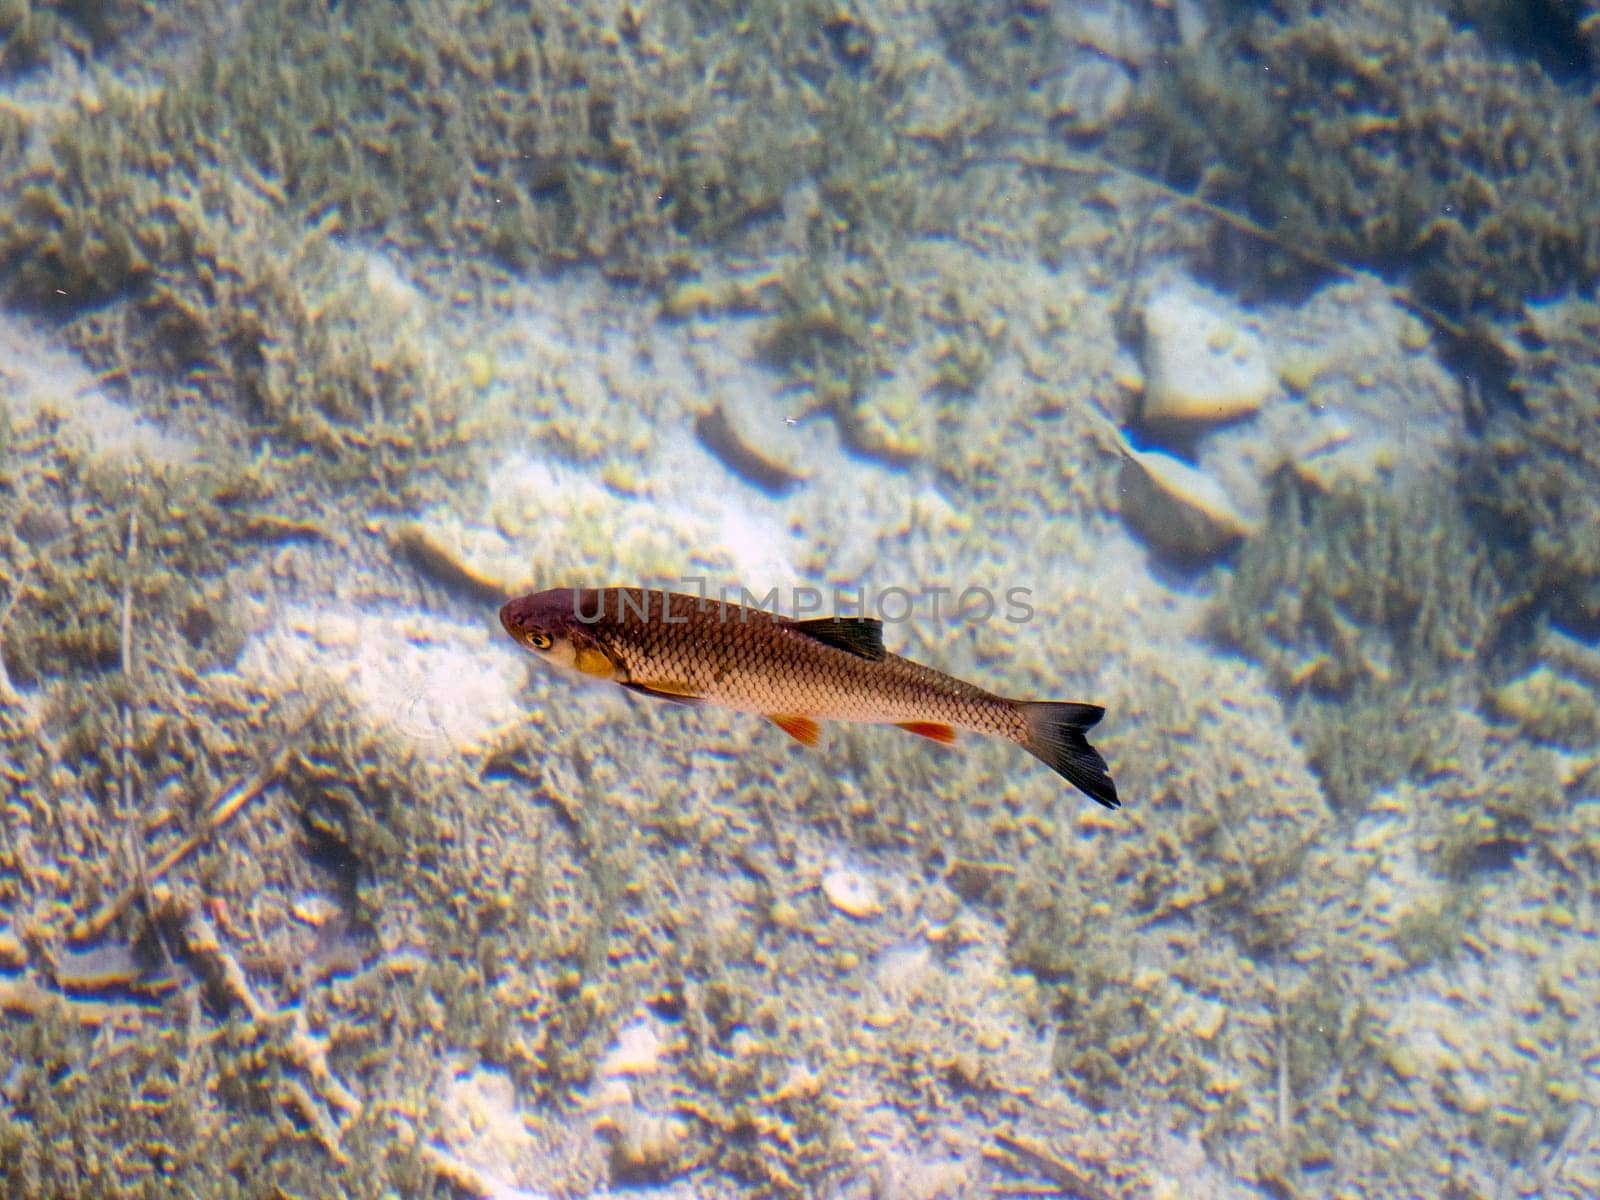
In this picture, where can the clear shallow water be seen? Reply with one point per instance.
(1255, 353)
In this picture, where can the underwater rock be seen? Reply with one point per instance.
(1550, 706)
(1116, 31)
(638, 1050)
(852, 893)
(474, 563)
(434, 684)
(1358, 404)
(1201, 367)
(767, 462)
(485, 1145)
(313, 909)
(39, 376)
(564, 521)
(700, 297)
(891, 423)
(1094, 93)
(644, 1146)
(1178, 509)
(13, 953)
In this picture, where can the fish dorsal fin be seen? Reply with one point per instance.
(861, 636)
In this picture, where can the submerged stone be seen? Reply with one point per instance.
(1201, 367)
(1178, 509)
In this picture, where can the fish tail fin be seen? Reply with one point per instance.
(1056, 738)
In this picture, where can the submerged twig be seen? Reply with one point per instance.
(1285, 1101)
(8, 693)
(1063, 1175)
(24, 998)
(222, 809)
(125, 756)
(1089, 164)
(327, 1105)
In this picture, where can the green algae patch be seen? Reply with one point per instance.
(30, 31)
(1551, 706)
(327, 951)
(171, 259)
(1388, 136)
(1370, 608)
(540, 137)
(645, 141)
(1212, 962)
(1148, 944)
(185, 851)
(1532, 476)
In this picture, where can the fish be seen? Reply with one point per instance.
(796, 673)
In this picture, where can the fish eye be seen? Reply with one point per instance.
(540, 641)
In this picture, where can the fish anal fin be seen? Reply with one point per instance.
(861, 636)
(802, 729)
(665, 689)
(934, 731)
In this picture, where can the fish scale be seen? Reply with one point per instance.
(795, 673)
(752, 661)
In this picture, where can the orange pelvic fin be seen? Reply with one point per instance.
(802, 729)
(932, 730)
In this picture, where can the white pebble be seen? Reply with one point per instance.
(637, 1052)
(851, 893)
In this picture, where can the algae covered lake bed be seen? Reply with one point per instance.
(327, 328)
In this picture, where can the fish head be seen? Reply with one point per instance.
(551, 624)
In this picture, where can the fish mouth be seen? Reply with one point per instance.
(514, 619)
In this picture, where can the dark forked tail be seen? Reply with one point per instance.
(1056, 738)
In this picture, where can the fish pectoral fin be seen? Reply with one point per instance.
(595, 662)
(802, 729)
(666, 689)
(861, 636)
(934, 731)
